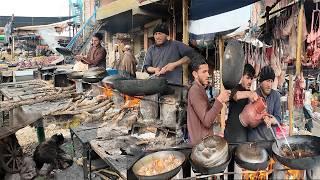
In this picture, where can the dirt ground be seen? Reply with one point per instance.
(27, 138)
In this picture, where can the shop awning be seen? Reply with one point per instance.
(120, 6)
(225, 22)
(205, 8)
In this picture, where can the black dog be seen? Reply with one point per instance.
(50, 152)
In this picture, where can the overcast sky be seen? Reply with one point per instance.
(36, 8)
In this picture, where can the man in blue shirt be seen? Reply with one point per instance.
(166, 57)
(272, 98)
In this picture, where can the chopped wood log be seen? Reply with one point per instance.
(119, 117)
(75, 104)
(8, 105)
(109, 116)
(82, 110)
(60, 108)
(99, 115)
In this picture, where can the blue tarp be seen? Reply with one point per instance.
(205, 8)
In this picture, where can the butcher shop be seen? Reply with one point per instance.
(161, 90)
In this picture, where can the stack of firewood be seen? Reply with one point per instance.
(98, 108)
(39, 95)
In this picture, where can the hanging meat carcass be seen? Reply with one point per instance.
(299, 86)
(290, 31)
(313, 40)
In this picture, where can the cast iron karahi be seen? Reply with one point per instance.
(212, 170)
(303, 143)
(233, 64)
(94, 75)
(251, 157)
(151, 157)
(140, 87)
(212, 151)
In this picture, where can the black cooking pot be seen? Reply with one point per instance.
(308, 146)
(154, 156)
(251, 157)
(141, 87)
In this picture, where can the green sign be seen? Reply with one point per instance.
(1, 38)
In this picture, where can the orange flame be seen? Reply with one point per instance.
(258, 175)
(107, 92)
(294, 174)
(131, 102)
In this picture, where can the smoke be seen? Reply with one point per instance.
(49, 36)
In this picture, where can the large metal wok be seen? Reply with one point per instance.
(233, 64)
(212, 170)
(155, 156)
(109, 80)
(306, 146)
(141, 87)
(251, 157)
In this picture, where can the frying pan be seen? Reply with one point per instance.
(150, 159)
(140, 87)
(251, 157)
(233, 64)
(304, 143)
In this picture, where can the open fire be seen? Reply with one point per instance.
(131, 102)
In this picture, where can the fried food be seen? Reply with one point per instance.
(159, 166)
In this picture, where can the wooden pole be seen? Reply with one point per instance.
(145, 39)
(290, 104)
(223, 110)
(298, 69)
(185, 38)
(12, 50)
(299, 40)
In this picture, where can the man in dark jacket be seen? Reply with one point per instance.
(166, 57)
(272, 98)
(240, 97)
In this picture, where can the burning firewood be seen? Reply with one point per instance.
(99, 115)
(118, 117)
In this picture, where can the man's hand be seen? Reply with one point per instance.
(270, 120)
(77, 57)
(253, 96)
(224, 96)
(168, 68)
(157, 71)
